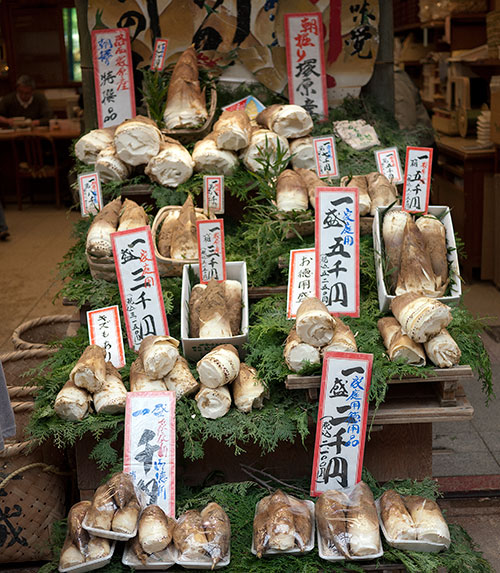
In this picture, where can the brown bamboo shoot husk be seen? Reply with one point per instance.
(189, 536)
(302, 522)
(158, 355)
(291, 192)
(428, 519)
(166, 232)
(172, 165)
(185, 237)
(232, 131)
(90, 370)
(382, 192)
(101, 513)
(400, 346)
(219, 367)
(395, 517)
(298, 353)
(217, 529)
(137, 140)
(141, 382)
(248, 391)
(331, 512)
(360, 182)
(132, 216)
(281, 525)
(393, 230)
(72, 403)
(125, 519)
(75, 531)
(362, 522)
(434, 235)
(104, 223)
(180, 380)
(290, 121)
(233, 294)
(312, 182)
(442, 350)
(194, 309)
(314, 323)
(156, 529)
(113, 395)
(98, 548)
(343, 339)
(214, 320)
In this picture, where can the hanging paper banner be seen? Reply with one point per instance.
(341, 424)
(337, 249)
(389, 165)
(139, 284)
(149, 447)
(250, 104)
(105, 331)
(301, 282)
(417, 182)
(325, 156)
(159, 54)
(306, 62)
(113, 76)
(90, 193)
(211, 250)
(213, 194)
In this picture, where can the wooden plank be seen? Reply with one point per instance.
(256, 293)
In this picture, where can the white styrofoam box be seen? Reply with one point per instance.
(162, 560)
(329, 555)
(296, 550)
(108, 534)
(384, 298)
(196, 348)
(90, 565)
(207, 564)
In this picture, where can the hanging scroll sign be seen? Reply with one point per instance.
(342, 418)
(90, 193)
(139, 284)
(213, 194)
(417, 181)
(159, 54)
(301, 284)
(105, 330)
(389, 165)
(211, 250)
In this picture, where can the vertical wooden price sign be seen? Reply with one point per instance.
(342, 418)
(301, 283)
(417, 183)
(113, 76)
(139, 284)
(105, 331)
(149, 447)
(337, 249)
(389, 165)
(159, 54)
(90, 193)
(305, 59)
(211, 250)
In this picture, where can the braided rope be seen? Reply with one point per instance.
(17, 355)
(46, 468)
(18, 342)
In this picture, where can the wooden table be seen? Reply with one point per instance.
(459, 183)
(9, 134)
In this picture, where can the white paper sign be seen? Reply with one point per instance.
(301, 283)
(211, 250)
(389, 165)
(105, 330)
(325, 156)
(139, 283)
(113, 76)
(417, 180)
(341, 424)
(337, 249)
(213, 194)
(306, 62)
(90, 193)
(159, 54)
(149, 447)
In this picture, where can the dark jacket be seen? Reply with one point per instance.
(38, 109)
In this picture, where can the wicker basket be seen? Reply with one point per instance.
(16, 364)
(102, 268)
(168, 267)
(37, 333)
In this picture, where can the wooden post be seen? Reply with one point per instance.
(89, 103)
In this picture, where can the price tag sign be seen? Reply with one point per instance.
(213, 194)
(113, 76)
(211, 250)
(341, 424)
(337, 249)
(90, 194)
(250, 104)
(325, 156)
(139, 284)
(149, 447)
(305, 60)
(159, 54)
(389, 165)
(105, 331)
(301, 283)
(417, 182)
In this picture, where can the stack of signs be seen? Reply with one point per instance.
(417, 183)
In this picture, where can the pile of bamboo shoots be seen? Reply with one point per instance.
(154, 536)
(374, 190)
(418, 329)
(315, 332)
(91, 379)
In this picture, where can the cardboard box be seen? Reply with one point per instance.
(384, 298)
(196, 348)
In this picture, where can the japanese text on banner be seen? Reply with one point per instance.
(114, 82)
(211, 250)
(337, 249)
(149, 448)
(301, 284)
(306, 62)
(417, 182)
(342, 417)
(213, 194)
(325, 156)
(139, 283)
(105, 330)
(389, 165)
(159, 54)
(90, 194)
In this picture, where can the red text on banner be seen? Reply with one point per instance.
(213, 194)
(211, 250)
(159, 54)
(325, 156)
(389, 165)
(417, 182)
(90, 194)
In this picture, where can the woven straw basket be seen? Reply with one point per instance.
(37, 333)
(102, 268)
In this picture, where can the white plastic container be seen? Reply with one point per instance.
(162, 560)
(296, 550)
(196, 348)
(333, 555)
(107, 534)
(91, 565)
(384, 298)
(187, 564)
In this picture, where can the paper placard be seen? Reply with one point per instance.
(89, 187)
(389, 165)
(105, 330)
(341, 424)
(250, 104)
(149, 446)
(139, 283)
(417, 182)
(301, 282)
(305, 59)
(211, 250)
(159, 54)
(113, 76)
(213, 194)
(325, 156)
(337, 249)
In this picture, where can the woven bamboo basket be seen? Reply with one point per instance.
(102, 268)
(16, 364)
(37, 333)
(168, 267)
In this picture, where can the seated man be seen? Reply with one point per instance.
(25, 102)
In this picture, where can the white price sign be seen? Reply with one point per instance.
(301, 283)
(90, 193)
(325, 156)
(211, 250)
(417, 181)
(105, 331)
(159, 54)
(389, 165)
(213, 194)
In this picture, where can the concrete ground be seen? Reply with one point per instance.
(466, 456)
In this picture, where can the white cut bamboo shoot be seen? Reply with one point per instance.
(104, 223)
(360, 182)
(290, 121)
(442, 350)
(208, 158)
(314, 323)
(214, 319)
(248, 391)
(132, 216)
(72, 403)
(125, 519)
(158, 355)
(180, 380)
(400, 346)
(137, 140)
(110, 167)
(155, 529)
(232, 130)
(343, 339)
(302, 152)
(219, 367)
(98, 548)
(297, 353)
(213, 403)
(291, 192)
(382, 192)
(113, 395)
(172, 165)
(141, 382)
(263, 144)
(312, 182)
(90, 370)
(88, 147)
